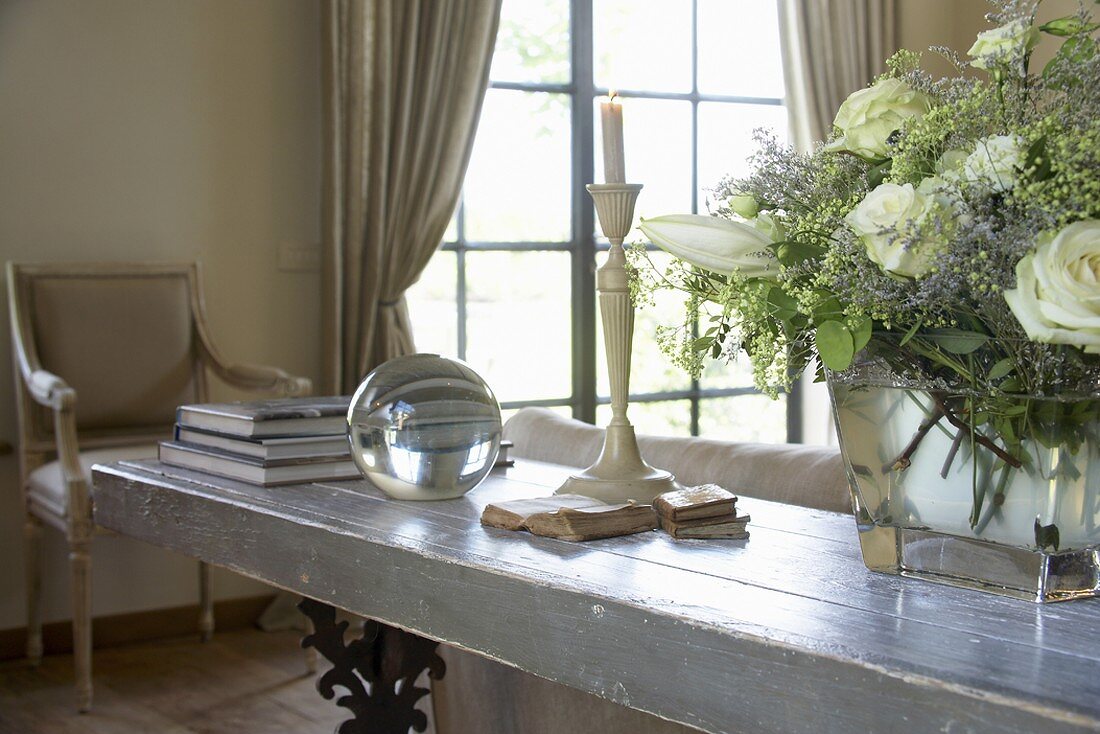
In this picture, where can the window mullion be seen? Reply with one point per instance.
(584, 279)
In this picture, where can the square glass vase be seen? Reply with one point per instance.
(932, 502)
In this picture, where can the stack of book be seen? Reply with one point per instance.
(264, 442)
(706, 511)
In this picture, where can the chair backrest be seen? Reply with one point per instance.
(809, 476)
(122, 335)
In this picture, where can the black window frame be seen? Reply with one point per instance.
(583, 245)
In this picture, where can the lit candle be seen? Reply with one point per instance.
(611, 117)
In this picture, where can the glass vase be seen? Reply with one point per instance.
(934, 499)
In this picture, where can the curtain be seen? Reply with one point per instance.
(831, 48)
(403, 83)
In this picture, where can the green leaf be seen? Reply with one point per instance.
(957, 341)
(1037, 161)
(827, 308)
(791, 253)
(913, 329)
(861, 334)
(785, 306)
(878, 173)
(702, 344)
(835, 345)
(1075, 50)
(1001, 369)
(1069, 25)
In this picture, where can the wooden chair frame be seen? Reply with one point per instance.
(39, 393)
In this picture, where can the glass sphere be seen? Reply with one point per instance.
(424, 427)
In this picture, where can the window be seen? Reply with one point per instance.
(512, 290)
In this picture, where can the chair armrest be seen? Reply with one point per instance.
(49, 390)
(262, 378)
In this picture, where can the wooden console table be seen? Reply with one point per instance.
(785, 632)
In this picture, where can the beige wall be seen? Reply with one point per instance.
(160, 129)
(955, 23)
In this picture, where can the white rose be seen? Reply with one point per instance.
(950, 165)
(1057, 293)
(996, 161)
(882, 221)
(743, 205)
(870, 116)
(1007, 44)
(714, 244)
(769, 226)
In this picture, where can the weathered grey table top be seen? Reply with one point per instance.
(784, 632)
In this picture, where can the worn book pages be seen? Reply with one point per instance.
(703, 501)
(731, 529)
(512, 515)
(590, 523)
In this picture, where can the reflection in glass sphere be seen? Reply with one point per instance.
(424, 427)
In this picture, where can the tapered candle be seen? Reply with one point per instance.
(611, 118)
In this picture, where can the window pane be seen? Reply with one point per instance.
(517, 186)
(650, 370)
(721, 374)
(725, 139)
(433, 306)
(533, 42)
(739, 48)
(657, 148)
(642, 45)
(665, 418)
(451, 235)
(518, 322)
(755, 418)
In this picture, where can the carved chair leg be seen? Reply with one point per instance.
(206, 604)
(80, 562)
(33, 548)
(379, 672)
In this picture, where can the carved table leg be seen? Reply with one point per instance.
(378, 671)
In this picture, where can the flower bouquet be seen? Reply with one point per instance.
(937, 261)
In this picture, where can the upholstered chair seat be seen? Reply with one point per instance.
(46, 485)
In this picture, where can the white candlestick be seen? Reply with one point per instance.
(614, 162)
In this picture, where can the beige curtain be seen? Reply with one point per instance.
(403, 85)
(831, 48)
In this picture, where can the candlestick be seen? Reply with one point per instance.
(620, 473)
(614, 160)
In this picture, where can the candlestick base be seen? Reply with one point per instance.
(620, 474)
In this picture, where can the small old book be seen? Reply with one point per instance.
(570, 517)
(591, 523)
(290, 417)
(513, 514)
(706, 500)
(733, 530)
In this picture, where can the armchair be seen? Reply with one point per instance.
(130, 339)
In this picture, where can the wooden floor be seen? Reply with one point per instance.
(243, 682)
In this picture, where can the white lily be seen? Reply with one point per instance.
(714, 244)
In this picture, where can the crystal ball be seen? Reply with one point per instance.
(424, 427)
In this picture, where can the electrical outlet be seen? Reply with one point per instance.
(299, 257)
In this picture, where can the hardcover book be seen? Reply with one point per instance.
(268, 418)
(256, 471)
(706, 500)
(290, 447)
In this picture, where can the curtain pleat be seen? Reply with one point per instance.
(831, 48)
(404, 81)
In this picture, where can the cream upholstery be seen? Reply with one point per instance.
(479, 695)
(810, 476)
(46, 485)
(123, 342)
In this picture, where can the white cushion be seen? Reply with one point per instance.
(46, 486)
(796, 474)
